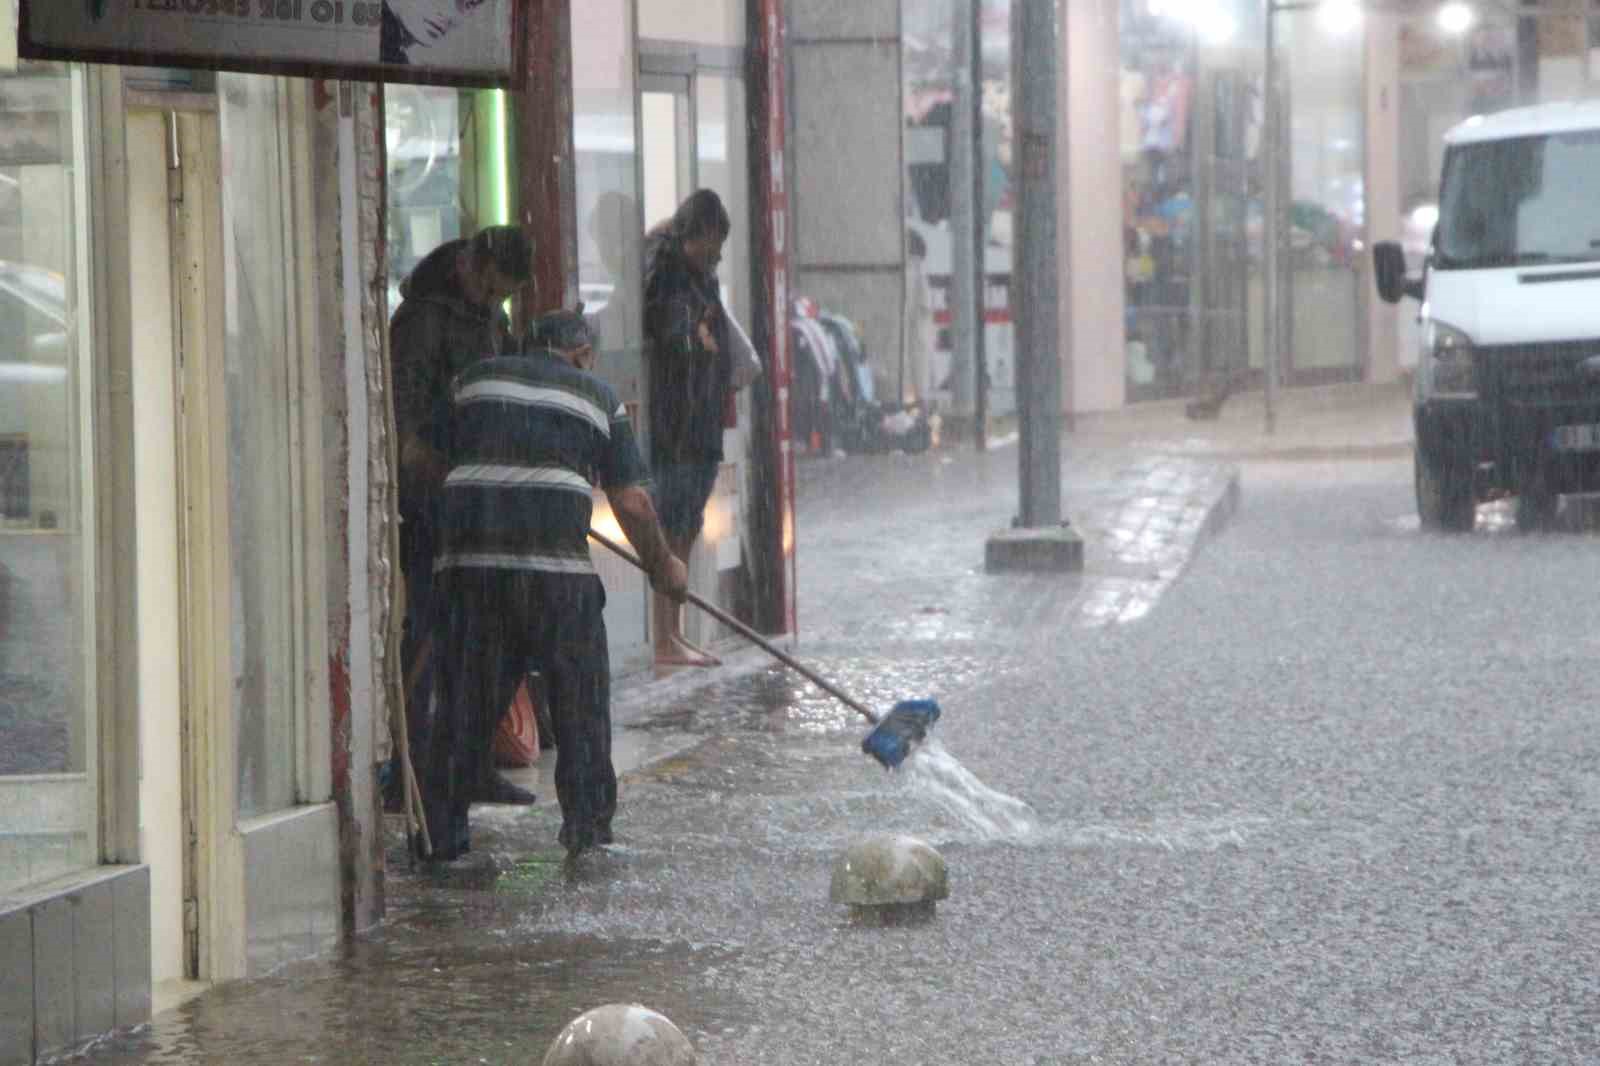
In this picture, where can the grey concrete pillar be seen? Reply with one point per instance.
(849, 210)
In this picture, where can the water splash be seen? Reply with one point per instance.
(993, 815)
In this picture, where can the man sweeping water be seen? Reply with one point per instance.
(530, 438)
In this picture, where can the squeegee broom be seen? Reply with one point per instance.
(894, 735)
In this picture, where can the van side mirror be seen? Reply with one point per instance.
(1389, 270)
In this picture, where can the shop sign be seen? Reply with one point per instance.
(456, 42)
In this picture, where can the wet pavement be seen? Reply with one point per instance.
(1324, 790)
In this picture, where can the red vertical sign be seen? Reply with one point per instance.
(775, 237)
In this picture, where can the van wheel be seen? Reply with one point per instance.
(1444, 494)
(1536, 509)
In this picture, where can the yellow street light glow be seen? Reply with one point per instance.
(603, 521)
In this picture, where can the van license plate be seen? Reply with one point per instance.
(1584, 438)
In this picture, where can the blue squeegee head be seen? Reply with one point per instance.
(900, 731)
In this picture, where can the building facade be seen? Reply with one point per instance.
(198, 625)
(1162, 111)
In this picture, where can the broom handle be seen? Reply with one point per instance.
(751, 635)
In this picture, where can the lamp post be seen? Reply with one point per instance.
(1272, 175)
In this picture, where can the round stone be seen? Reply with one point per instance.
(620, 1034)
(889, 871)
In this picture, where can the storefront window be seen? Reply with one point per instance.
(448, 175)
(1160, 67)
(48, 799)
(1325, 97)
(928, 94)
(1446, 77)
(610, 223)
(259, 345)
(1191, 110)
(423, 133)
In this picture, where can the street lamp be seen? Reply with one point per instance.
(1456, 19)
(1211, 22)
(1339, 16)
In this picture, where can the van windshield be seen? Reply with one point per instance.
(1520, 202)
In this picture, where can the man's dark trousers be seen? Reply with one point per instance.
(493, 626)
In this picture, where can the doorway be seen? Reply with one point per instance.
(236, 826)
(173, 171)
(667, 155)
(693, 135)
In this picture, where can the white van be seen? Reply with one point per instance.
(1507, 399)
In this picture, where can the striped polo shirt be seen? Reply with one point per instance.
(530, 438)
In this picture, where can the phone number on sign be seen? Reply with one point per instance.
(332, 12)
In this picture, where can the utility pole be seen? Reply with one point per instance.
(1271, 222)
(980, 243)
(1035, 278)
(1038, 539)
(965, 275)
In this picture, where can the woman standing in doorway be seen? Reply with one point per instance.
(690, 376)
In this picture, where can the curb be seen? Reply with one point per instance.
(1315, 453)
(1221, 510)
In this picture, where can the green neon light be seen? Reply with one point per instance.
(493, 157)
(501, 155)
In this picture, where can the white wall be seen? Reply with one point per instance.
(1090, 206)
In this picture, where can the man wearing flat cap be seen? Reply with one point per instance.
(531, 437)
(450, 318)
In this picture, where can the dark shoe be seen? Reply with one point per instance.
(499, 790)
(445, 849)
(576, 843)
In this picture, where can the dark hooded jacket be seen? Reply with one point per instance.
(435, 334)
(688, 383)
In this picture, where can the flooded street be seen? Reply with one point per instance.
(1312, 806)
(1181, 419)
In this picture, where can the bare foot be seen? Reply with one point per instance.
(695, 649)
(679, 652)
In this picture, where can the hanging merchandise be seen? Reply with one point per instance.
(1166, 113)
(815, 363)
